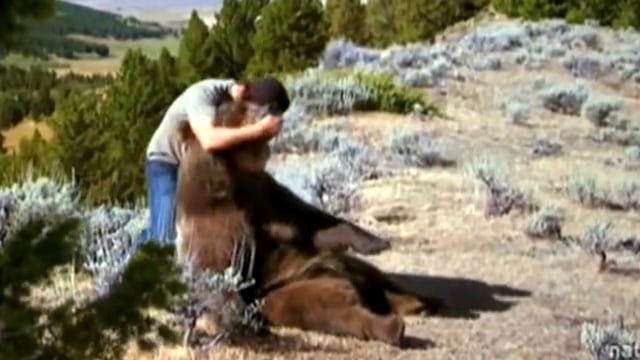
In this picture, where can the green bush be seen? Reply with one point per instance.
(340, 91)
(99, 328)
(371, 92)
(390, 96)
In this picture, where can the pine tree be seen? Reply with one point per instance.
(135, 105)
(42, 103)
(290, 36)
(11, 109)
(418, 20)
(16, 15)
(193, 56)
(422, 20)
(81, 137)
(346, 18)
(230, 40)
(380, 22)
(2, 148)
(168, 73)
(103, 136)
(628, 14)
(99, 328)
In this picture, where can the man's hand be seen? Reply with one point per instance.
(270, 125)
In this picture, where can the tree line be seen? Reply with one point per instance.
(34, 92)
(256, 37)
(51, 36)
(614, 13)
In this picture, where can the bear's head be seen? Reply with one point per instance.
(250, 156)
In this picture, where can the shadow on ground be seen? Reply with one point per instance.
(466, 298)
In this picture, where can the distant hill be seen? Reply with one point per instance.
(141, 5)
(77, 19)
(52, 36)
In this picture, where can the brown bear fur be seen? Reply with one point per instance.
(301, 270)
(235, 180)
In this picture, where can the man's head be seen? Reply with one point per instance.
(267, 96)
(251, 156)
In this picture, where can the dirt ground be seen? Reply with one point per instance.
(512, 297)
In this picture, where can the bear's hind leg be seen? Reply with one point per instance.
(331, 306)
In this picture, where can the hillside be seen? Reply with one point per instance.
(52, 36)
(147, 6)
(517, 202)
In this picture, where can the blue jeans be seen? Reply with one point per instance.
(162, 178)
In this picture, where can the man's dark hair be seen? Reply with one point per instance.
(269, 92)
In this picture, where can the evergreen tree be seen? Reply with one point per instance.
(616, 13)
(168, 72)
(290, 36)
(541, 9)
(381, 22)
(193, 55)
(42, 103)
(99, 328)
(11, 110)
(82, 134)
(420, 20)
(16, 15)
(346, 18)
(102, 135)
(230, 40)
(135, 105)
(628, 14)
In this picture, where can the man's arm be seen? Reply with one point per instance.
(201, 112)
(219, 137)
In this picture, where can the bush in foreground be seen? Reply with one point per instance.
(78, 283)
(99, 328)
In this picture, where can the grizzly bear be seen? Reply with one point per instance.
(300, 267)
(236, 181)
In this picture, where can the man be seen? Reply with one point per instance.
(197, 105)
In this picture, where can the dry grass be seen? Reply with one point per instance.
(25, 130)
(512, 297)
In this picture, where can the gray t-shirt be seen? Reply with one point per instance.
(199, 98)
